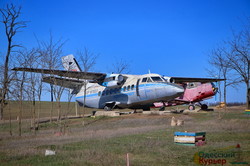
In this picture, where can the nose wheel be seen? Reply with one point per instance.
(107, 108)
(162, 108)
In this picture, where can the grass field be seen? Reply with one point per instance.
(148, 139)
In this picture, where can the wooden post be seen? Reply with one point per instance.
(127, 159)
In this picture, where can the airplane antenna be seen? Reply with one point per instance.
(149, 71)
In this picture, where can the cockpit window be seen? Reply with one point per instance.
(193, 84)
(157, 79)
(149, 79)
(144, 79)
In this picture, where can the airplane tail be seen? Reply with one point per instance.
(69, 63)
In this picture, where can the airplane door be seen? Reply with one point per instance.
(142, 91)
(137, 87)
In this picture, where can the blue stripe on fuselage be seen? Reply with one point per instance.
(129, 93)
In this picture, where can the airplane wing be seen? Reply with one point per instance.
(95, 77)
(190, 79)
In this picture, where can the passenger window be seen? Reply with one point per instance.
(103, 93)
(128, 88)
(99, 93)
(124, 88)
(132, 87)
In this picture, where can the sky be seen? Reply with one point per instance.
(168, 37)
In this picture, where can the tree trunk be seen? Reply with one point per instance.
(248, 88)
(10, 124)
(225, 92)
(1, 109)
(248, 98)
(20, 118)
(219, 92)
(5, 79)
(59, 109)
(34, 115)
(38, 114)
(52, 106)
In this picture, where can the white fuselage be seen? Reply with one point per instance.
(136, 92)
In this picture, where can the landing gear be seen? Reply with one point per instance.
(162, 108)
(191, 107)
(204, 107)
(107, 108)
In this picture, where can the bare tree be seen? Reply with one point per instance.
(19, 87)
(39, 89)
(87, 61)
(57, 92)
(33, 79)
(50, 53)
(12, 25)
(239, 57)
(69, 98)
(234, 58)
(120, 66)
(217, 58)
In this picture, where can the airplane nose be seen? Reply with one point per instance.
(177, 89)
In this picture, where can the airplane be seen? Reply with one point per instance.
(109, 91)
(195, 91)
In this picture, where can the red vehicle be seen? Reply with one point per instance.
(196, 90)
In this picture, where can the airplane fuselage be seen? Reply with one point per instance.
(137, 92)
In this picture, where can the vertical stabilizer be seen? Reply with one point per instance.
(69, 63)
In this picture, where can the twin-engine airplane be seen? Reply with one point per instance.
(108, 91)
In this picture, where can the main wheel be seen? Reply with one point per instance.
(204, 107)
(191, 107)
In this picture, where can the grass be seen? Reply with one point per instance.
(67, 108)
(147, 139)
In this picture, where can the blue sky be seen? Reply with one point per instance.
(171, 38)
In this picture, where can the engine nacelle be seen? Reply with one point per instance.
(113, 80)
(169, 79)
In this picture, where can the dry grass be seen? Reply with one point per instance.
(105, 141)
